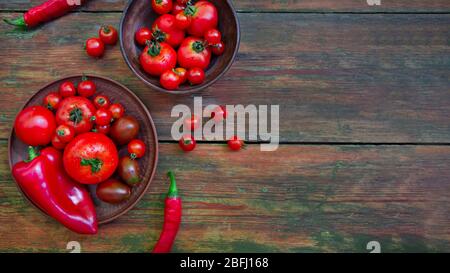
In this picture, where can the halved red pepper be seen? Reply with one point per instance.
(42, 178)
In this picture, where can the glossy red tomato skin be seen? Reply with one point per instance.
(67, 89)
(108, 35)
(103, 116)
(117, 110)
(182, 73)
(235, 143)
(57, 143)
(101, 101)
(213, 36)
(205, 17)
(95, 47)
(52, 101)
(83, 153)
(158, 64)
(187, 143)
(219, 113)
(196, 76)
(170, 80)
(102, 129)
(165, 30)
(192, 123)
(218, 48)
(143, 35)
(86, 88)
(194, 53)
(35, 125)
(182, 21)
(136, 148)
(162, 6)
(65, 133)
(177, 7)
(77, 112)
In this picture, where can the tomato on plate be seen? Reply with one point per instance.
(102, 129)
(235, 143)
(182, 21)
(143, 35)
(65, 133)
(218, 48)
(90, 158)
(182, 73)
(170, 80)
(102, 116)
(101, 101)
(35, 125)
(196, 75)
(158, 58)
(124, 130)
(67, 89)
(113, 191)
(57, 143)
(52, 100)
(165, 30)
(95, 47)
(76, 112)
(204, 17)
(86, 87)
(162, 6)
(193, 52)
(117, 110)
(108, 34)
(187, 143)
(177, 7)
(136, 148)
(213, 36)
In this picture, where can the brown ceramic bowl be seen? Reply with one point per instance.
(133, 106)
(139, 13)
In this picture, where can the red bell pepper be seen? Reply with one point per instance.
(42, 178)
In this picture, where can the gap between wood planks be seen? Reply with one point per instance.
(267, 11)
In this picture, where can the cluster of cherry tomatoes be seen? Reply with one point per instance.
(107, 35)
(185, 34)
(188, 143)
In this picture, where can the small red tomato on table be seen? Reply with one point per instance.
(143, 35)
(65, 133)
(194, 52)
(165, 30)
(86, 87)
(95, 47)
(170, 80)
(196, 75)
(35, 125)
(67, 89)
(52, 100)
(102, 116)
(117, 110)
(76, 112)
(187, 143)
(101, 101)
(158, 58)
(136, 148)
(162, 6)
(235, 143)
(108, 35)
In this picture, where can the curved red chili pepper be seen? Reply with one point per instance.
(43, 13)
(172, 218)
(42, 178)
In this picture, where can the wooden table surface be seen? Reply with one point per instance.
(364, 98)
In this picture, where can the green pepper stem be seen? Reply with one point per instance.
(18, 22)
(32, 153)
(173, 190)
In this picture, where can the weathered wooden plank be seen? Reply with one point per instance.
(317, 198)
(336, 77)
(278, 5)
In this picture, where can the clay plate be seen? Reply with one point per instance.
(133, 106)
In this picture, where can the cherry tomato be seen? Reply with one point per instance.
(213, 36)
(136, 148)
(65, 133)
(67, 89)
(235, 143)
(193, 52)
(95, 47)
(196, 75)
(218, 48)
(76, 112)
(158, 58)
(102, 129)
(113, 191)
(182, 73)
(192, 123)
(170, 80)
(187, 143)
(177, 8)
(182, 21)
(35, 125)
(162, 6)
(164, 30)
(128, 170)
(103, 116)
(124, 130)
(52, 101)
(57, 143)
(108, 34)
(101, 101)
(86, 88)
(219, 113)
(143, 35)
(117, 110)
(204, 17)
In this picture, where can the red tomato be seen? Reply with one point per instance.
(164, 30)
(187, 143)
(158, 58)
(67, 89)
(136, 148)
(213, 36)
(162, 6)
(177, 8)
(65, 133)
(235, 143)
(204, 17)
(219, 113)
(57, 143)
(35, 125)
(108, 34)
(170, 80)
(103, 116)
(143, 35)
(90, 158)
(182, 2)
(193, 52)
(76, 112)
(196, 75)
(182, 73)
(182, 21)
(192, 123)
(102, 129)
(117, 110)
(101, 101)
(52, 100)
(86, 88)
(218, 49)
(95, 47)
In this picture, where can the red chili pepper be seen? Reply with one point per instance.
(172, 218)
(43, 179)
(43, 13)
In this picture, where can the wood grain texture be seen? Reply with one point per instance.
(336, 77)
(277, 5)
(317, 199)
